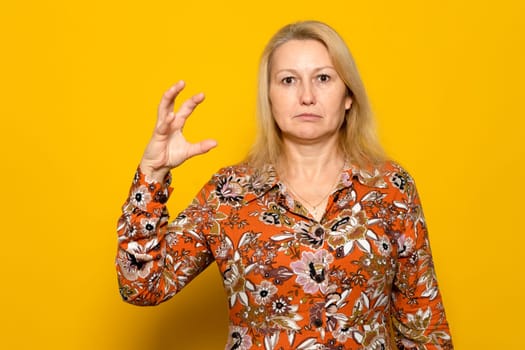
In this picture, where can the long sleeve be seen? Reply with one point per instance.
(418, 315)
(156, 259)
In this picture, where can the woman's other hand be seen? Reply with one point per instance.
(168, 148)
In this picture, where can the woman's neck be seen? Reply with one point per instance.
(310, 162)
(311, 173)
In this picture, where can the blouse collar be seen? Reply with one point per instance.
(261, 181)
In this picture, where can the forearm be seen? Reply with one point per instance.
(418, 317)
(141, 257)
(156, 259)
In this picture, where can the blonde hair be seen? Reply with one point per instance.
(358, 140)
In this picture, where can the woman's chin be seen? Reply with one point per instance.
(309, 136)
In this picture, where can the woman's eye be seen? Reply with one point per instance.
(287, 80)
(323, 78)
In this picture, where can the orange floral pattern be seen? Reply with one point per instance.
(351, 281)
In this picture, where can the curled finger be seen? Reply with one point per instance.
(189, 105)
(168, 99)
(163, 126)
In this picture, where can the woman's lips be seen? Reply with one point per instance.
(308, 116)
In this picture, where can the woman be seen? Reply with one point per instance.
(320, 240)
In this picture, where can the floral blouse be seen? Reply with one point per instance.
(361, 278)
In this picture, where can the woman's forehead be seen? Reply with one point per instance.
(300, 54)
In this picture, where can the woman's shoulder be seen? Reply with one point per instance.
(247, 173)
(244, 179)
(393, 168)
(243, 170)
(398, 176)
(399, 180)
(387, 175)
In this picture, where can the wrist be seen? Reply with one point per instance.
(156, 174)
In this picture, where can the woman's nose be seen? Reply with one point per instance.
(307, 94)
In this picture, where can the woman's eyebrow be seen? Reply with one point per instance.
(293, 70)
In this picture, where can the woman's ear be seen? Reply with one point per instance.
(348, 102)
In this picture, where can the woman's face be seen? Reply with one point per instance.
(307, 96)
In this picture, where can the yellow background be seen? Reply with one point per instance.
(80, 83)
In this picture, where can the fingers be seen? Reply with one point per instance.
(167, 119)
(189, 105)
(168, 99)
(163, 127)
(186, 109)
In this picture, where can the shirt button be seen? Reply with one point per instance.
(318, 322)
(319, 232)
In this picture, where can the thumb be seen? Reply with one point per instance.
(201, 147)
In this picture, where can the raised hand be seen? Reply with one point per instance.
(168, 148)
